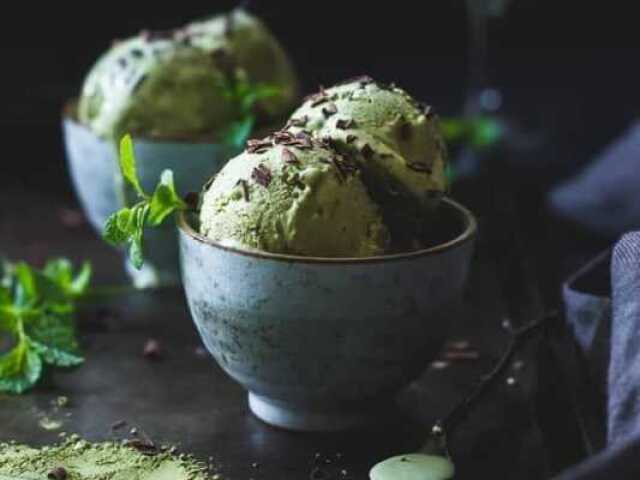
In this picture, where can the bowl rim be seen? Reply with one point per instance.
(468, 234)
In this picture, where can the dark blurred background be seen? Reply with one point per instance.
(569, 68)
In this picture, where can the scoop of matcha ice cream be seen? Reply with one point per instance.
(396, 139)
(168, 84)
(296, 195)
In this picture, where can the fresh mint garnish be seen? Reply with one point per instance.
(244, 96)
(37, 317)
(126, 226)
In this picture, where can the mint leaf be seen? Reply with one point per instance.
(126, 226)
(117, 227)
(165, 200)
(256, 93)
(128, 164)
(20, 368)
(138, 219)
(54, 338)
(39, 287)
(80, 283)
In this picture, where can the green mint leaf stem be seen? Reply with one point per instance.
(126, 226)
(128, 164)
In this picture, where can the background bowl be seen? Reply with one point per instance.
(93, 166)
(322, 343)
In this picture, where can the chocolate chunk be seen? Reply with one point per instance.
(345, 124)
(144, 446)
(290, 157)
(317, 98)
(57, 473)
(262, 175)
(122, 61)
(303, 140)
(137, 53)
(245, 189)
(419, 167)
(152, 349)
(299, 122)
(258, 146)
(367, 151)
(330, 109)
(351, 138)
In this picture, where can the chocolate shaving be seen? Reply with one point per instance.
(258, 146)
(345, 124)
(283, 137)
(303, 140)
(122, 62)
(262, 175)
(152, 349)
(329, 110)
(367, 151)
(144, 446)
(419, 167)
(290, 157)
(136, 52)
(317, 98)
(245, 189)
(351, 138)
(299, 122)
(57, 473)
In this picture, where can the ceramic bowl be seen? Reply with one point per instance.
(93, 166)
(324, 343)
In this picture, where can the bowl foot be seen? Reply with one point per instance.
(294, 417)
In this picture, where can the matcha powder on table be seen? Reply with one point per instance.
(77, 459)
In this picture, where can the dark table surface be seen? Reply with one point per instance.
(184, 398)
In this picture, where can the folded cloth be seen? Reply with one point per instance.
(605, 196)
(608, 332)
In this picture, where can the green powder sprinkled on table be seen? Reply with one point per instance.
(77, 459)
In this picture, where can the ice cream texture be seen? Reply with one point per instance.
(357, 172)
(168, 84)
(396, 139)
(82, 460)
(295, 195)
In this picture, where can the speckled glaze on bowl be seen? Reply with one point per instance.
(320, 343)
(93, 166)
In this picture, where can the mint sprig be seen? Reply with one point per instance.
(244, 95)
(126, 226)
(37, 318)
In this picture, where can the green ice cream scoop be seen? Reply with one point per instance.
(395, 138)
(295, 195)
(171, 84)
